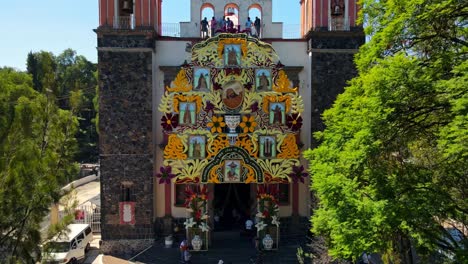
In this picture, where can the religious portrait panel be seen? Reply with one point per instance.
(197, 147)
(233, 94)
(232, 170)
(277, 113)
(267, 147)
(263, 80)
(201, 80)
(232, 55)
(187, 113)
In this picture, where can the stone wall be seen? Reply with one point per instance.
(125, 134)
(332, 67)
(125, 248)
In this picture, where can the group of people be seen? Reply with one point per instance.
(227, 25)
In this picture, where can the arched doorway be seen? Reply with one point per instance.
(255, 11)
(206, 11)
(231, 11)
(232, 205)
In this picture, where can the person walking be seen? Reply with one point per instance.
(183, 247)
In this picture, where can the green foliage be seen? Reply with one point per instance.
(392, 164)
(72, 81)
(37, 146)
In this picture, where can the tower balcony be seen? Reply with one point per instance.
(191, 30)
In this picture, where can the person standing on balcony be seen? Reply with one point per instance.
(213, 26)
(257, 24)
(204, 28)
(230, 25)
(248, 26)
(222, 24)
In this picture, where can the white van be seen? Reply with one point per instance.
(69, 247)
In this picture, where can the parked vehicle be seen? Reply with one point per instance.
(70, 246)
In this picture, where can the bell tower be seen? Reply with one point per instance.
(125, 43)
(333, 37)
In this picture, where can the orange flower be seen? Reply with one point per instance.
(248, 124)
(216, 124)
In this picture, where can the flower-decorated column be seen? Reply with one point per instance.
(196, 225)
(267, 217)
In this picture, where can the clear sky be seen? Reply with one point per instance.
(55, 25)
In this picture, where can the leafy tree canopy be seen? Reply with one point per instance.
(68, 76)
(37, 146)
(391, 169)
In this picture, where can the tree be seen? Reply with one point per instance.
(391, 169)
(65, 74)
(37, 147)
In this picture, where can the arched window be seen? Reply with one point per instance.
(255, 14)
(231, 13)
(206, 14)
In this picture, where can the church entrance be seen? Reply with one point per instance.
(232, 206)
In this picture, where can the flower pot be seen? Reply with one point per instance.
(197, 243)
(267, 242)
(168, 241)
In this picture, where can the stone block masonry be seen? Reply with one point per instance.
(332, 67)
(126, 136)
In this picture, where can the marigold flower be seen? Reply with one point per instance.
(216, 124)
(248, 124)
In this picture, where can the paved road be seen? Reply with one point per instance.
(89, 192)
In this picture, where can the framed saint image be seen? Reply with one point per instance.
(201, 80)
(277, 113)
(232, 55)
(263, 80)
(267, 147)
(232, 170)
(197, 147)
(187, 113)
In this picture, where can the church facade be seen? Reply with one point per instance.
(202, 128)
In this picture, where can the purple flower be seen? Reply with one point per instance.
(217, 86)
(165, 174)
(294, 122)
(209, 107)
(169, 122)
(298, 174)
(254, 107)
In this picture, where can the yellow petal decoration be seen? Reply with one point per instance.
(181, 98)
(283, 85)
(174, 148)
(213, 175)
(181, 83)
(227, 41)
(218, 143)
(289, 149)
(216, 124)
(248, 124)
(276, 99)
(245, 142)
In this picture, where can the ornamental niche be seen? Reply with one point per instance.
(231, 115)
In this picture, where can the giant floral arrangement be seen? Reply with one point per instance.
(268, 209)
(196, 202)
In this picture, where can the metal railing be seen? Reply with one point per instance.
(124, 22)
(173, 30)
(87, 214)
(170, 30)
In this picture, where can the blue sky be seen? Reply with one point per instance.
(55, 25)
